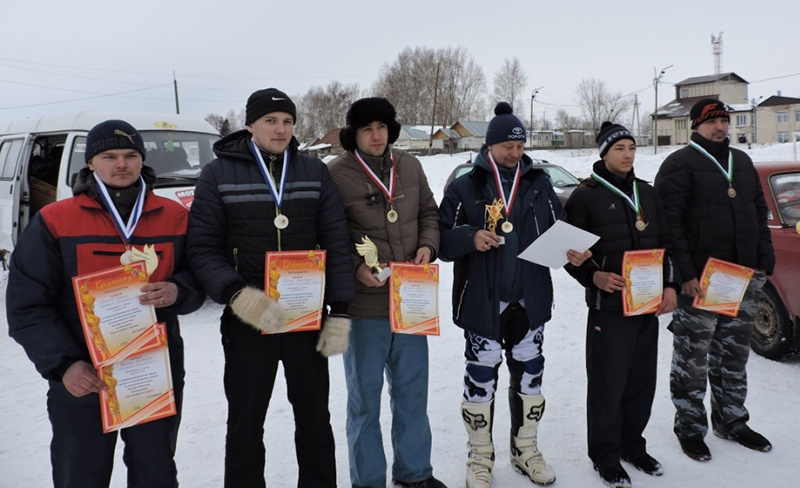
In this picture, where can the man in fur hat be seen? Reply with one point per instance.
(386, 198)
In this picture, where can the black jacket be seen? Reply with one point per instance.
(231, 221)
(705, 221)
(598, 210)
(476, 275)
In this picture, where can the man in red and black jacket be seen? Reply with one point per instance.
(82, 235)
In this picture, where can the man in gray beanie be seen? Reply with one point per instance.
(500, 301)
(386, 198)
(261, 195)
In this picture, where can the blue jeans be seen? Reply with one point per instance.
(373, 349)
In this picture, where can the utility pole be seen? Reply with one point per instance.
(533, 97)
(656, 82)
(433, 114)
(175, 86)
(635, 125)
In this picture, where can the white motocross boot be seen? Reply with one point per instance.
(478, 422)
(526, 412)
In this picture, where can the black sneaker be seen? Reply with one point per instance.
(614, 475)
(644, 462)
(748, 438)
(695, 448)
(426, 483)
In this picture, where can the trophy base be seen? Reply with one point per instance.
(382, 274)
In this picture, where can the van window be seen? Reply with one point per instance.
(175, 156)
(9, 155)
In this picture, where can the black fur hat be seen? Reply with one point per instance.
(362, 113)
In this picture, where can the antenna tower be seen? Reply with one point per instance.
(717, 43)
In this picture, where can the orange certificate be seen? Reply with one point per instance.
(139, 387)
(296, 279)
(414, 301)
(723, 286)
(115, 324)
(644, 285)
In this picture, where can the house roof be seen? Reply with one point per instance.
(475, 128)
(712, 78)
(415, 134)
(450, 133)
(779, 100)
(331, 137)
(680, 107)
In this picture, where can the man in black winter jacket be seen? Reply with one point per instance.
(621, 350)
(716, 209)
(261, 195)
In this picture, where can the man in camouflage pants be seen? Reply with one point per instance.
(714, 202)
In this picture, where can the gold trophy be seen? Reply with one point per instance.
(369, 250)
(494, 213)
(147, 254)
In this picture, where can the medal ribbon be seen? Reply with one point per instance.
(389, 192)
(507, 202)
(125, 229)
(728, 174)
(277, 193)
(634, 204)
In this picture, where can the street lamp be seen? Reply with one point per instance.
(656, 81)
(533, 97)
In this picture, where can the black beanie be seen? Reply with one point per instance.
(113, 134)
(706, 109)
(505, 126)
(364, 112)
(266, 101)
(609, 134)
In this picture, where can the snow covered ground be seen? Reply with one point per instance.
(774, 396)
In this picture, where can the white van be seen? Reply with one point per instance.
(40, 159)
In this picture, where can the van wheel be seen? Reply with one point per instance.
(772, 334)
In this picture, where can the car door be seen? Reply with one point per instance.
(10, 150)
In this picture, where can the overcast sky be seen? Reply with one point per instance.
(59, 56)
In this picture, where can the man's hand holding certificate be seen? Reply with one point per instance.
(127, 345)
(723, 285)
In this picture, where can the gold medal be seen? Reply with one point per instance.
(731, 192)
(507, 227)
(391, 215)
(640, 224)
(281, 221)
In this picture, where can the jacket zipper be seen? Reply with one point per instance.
(236, 259)
(461, 299)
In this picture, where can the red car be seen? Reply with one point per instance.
(777, 330)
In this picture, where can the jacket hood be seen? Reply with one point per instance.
(86, 182)
(235, 146)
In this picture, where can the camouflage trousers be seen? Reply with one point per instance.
(709, 348)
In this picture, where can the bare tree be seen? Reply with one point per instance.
(510, 83)
(598, 104)
(565, 121)
(410, 83)
(215, 120)
(322, 109)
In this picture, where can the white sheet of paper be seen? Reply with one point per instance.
(550, 249)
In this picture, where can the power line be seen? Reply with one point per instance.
(84, 98)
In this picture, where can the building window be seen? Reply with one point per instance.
(741, 120)
(783, 117)
(684, 93)
(783, 136)
(680, 124)
(797, 116)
